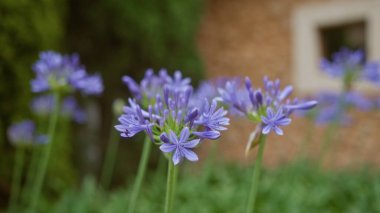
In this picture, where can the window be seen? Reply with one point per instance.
(351, 35)
(320, 29)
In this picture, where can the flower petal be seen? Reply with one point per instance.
(173, 137)
(269, 113)
(213, 135)
(266, 129)
(184, 135)
(278, 130)
(191, 144)
(177, 157)
(120, 128)
(189, 155)
(284, 121)
(166, 147)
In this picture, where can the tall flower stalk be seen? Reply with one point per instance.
(162, 110)
(270, 108)
(256, 175)
(23, 136)
(140, 174)
(44, 160)
(59, 75)
(348, 66)
(17, 176)
(170, 187)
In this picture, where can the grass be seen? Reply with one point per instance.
(298, 187)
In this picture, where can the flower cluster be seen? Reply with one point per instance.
(332, 107)
(163, 112)
(146, 91)
(63, 73)
(343, 63)
(24, 133)
(43, 106)
(270, 106)
(351, 66)
(206, 89)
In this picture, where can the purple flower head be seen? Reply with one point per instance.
(350, 66)
(23, 133)
(63, 73)
(90, 85)
(213, 119)
(235, 97)
(269, 106)
(345, 62)
(131, 125)
(207, 90)
(170, 111)
(273, 121)
(333, 107)
(177, 83)
(180, 147)
(147, 90)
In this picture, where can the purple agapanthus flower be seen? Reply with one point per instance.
(273, 121)
(24, 133)
(350, 66)
(270, 107)
(164, 107)
(213, 119)
(63, 73)
(235, 97)
(344, 62)
(333, 107)
(181, 147)
(207, 90)
(147, 90)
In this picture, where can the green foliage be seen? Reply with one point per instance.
(26, 27)
(120, 37)
(293, 188)
(115, 37)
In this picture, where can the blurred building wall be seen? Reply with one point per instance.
(255, 38)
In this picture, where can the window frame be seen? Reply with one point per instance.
(307, 53)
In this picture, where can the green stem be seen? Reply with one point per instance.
(44, 160)
(328, 140)
(26, 195)
(36, 154)
(17, 175)
(170, 186)
(110, 158)
(256, 176)
(140, 174)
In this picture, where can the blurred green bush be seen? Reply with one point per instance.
(116, 37)
(26, 27)
(298, 187)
